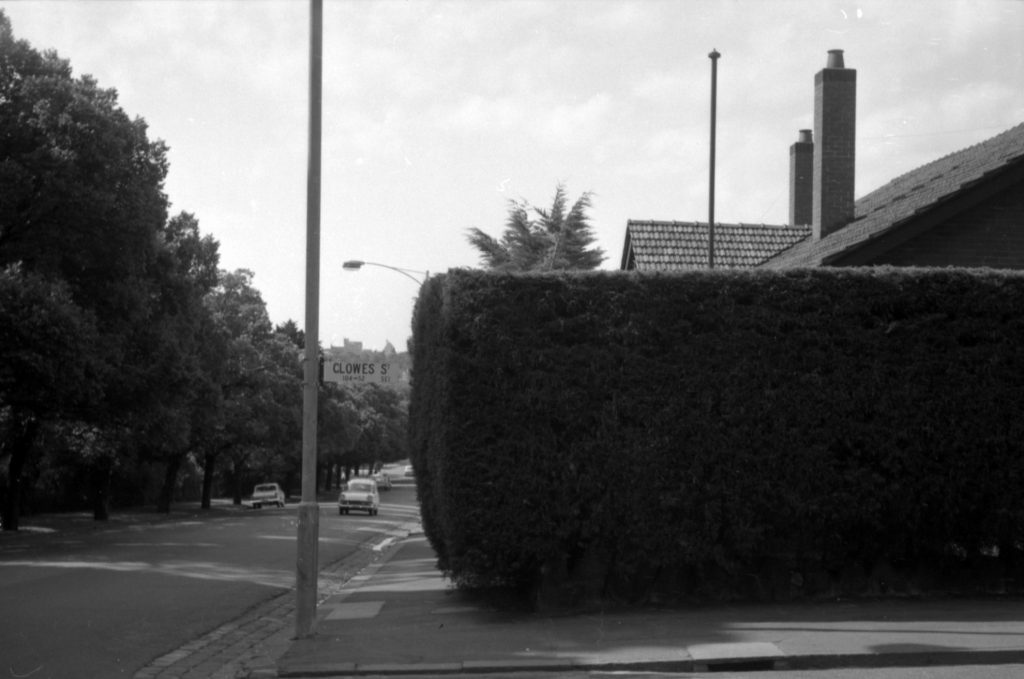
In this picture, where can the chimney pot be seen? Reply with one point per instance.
(835, 59)
(805, 136)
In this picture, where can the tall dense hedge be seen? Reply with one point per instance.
(620, 435)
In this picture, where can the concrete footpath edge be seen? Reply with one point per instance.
(882, 634)
(716, 664)
(368, 559)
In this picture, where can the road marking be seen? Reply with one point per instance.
(739, 650)
(383, 544)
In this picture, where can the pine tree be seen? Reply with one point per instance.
(553, 240)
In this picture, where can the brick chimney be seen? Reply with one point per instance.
(801, 170)
(835, 127)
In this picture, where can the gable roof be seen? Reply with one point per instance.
(676, 246)
(909, 196)
(679, 246)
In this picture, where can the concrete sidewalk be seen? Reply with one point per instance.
(402, 617)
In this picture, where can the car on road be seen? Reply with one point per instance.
(383, 480)
(359, 494)
(267, 494)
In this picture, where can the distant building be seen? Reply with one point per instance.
(965, 209)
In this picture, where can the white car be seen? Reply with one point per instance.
(383, 480)
(359, 494)
(267, 494)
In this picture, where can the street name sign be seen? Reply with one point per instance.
(359, 372)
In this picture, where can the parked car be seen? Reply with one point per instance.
(359, 494)
(267, 494)
(383, 480)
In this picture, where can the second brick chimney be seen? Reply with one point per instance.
(835, 127)
(801, 170)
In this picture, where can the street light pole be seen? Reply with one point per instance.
(357, 264)
(714, 55)
(306, 567)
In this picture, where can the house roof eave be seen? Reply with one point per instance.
(875, 242)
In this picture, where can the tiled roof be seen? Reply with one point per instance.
(678, 246)
(909, 195)
(675, 246)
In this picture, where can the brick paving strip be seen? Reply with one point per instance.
(243, 648)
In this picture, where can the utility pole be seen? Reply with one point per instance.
(711, 185)
(306, 567)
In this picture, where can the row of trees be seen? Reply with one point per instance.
(127, 357)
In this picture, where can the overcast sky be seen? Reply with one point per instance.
(436, 114)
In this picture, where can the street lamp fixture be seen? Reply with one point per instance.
(357, 264)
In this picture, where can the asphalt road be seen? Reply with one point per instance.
(80, 599)
(955, 672)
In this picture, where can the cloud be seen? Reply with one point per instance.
(475, 113)
(577, 123)
(672, 143)
(618, 16)
(659, 86)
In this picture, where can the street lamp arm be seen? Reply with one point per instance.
(356, 264)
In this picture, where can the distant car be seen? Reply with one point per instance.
(359, 494)
(267, 494)
(408, 470)
(383, 480)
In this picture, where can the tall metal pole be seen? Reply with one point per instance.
(306, 569)
(711, 190)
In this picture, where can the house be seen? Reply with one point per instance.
(965, 209)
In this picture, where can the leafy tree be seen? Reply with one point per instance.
(82, 186)
(359, 426)
(290, 329)
(81, 208)
(553, 239)
(258, 378)
(262, 423)
(175, 344)
(338, 432)
(46, 369)
(384, 422)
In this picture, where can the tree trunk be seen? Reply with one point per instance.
(12, 493)
(99, 477)
(1007, 550)
(163, 504)
(236, 484)
(209, 463)
(24, 430)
